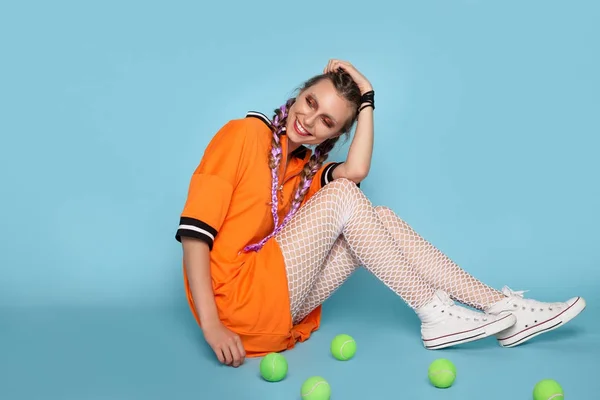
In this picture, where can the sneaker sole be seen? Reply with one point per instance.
(470, 335)
(546, 326)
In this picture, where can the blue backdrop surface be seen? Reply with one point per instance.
(487, 143)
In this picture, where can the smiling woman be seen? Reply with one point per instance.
(322, 111)
(259, 264)
(326, 109)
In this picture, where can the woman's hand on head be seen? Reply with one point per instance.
(226, 344)
(363, 83)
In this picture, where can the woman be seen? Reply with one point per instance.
(270, 230)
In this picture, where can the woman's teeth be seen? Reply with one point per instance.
(300, 129)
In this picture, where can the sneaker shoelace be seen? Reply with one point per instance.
(459, 312)
(532, 304)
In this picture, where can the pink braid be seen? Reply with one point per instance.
(317, 159)
(278, 124)
(296, 206)
(296, 203)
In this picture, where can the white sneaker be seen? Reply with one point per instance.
(533, 317)
(444, 324)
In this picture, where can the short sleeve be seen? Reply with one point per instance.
(325, 174)
(212, 184)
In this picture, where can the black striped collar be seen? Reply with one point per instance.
(300, 152)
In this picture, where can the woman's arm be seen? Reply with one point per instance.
(226, 344)
(358, 162)
(196, 259)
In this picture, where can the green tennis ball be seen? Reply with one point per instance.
(548, 389)
(442, 373)
(343, 347)
(315, 388)
(273, 367)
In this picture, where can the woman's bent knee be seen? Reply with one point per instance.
(341, 192)
(343, 185)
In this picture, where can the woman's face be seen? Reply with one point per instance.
(318, 114)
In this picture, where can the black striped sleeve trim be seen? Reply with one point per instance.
(195, 228)
(327, 175)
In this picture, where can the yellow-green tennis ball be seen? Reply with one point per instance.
(442, 373)
(343, 347)
(273, 367)
(548, 389)
(315, 388)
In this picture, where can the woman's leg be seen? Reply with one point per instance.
(337, 268)
(435, 267)
(533, 317)
(340, 208)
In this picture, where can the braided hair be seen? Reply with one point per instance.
(350, 91)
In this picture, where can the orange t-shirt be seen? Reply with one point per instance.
(228, 207)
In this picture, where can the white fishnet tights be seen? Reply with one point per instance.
(339, 229)
(436, 268)
(341, 208)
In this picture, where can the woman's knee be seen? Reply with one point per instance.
(341, 193)
(344, 186)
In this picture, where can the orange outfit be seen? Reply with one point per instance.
(228, 206)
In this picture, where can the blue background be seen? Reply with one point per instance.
(486, 143)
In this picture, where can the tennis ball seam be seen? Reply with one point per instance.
(438, 371)
(312, 389)
(342, 348)
(273, 370)
(556, 396)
